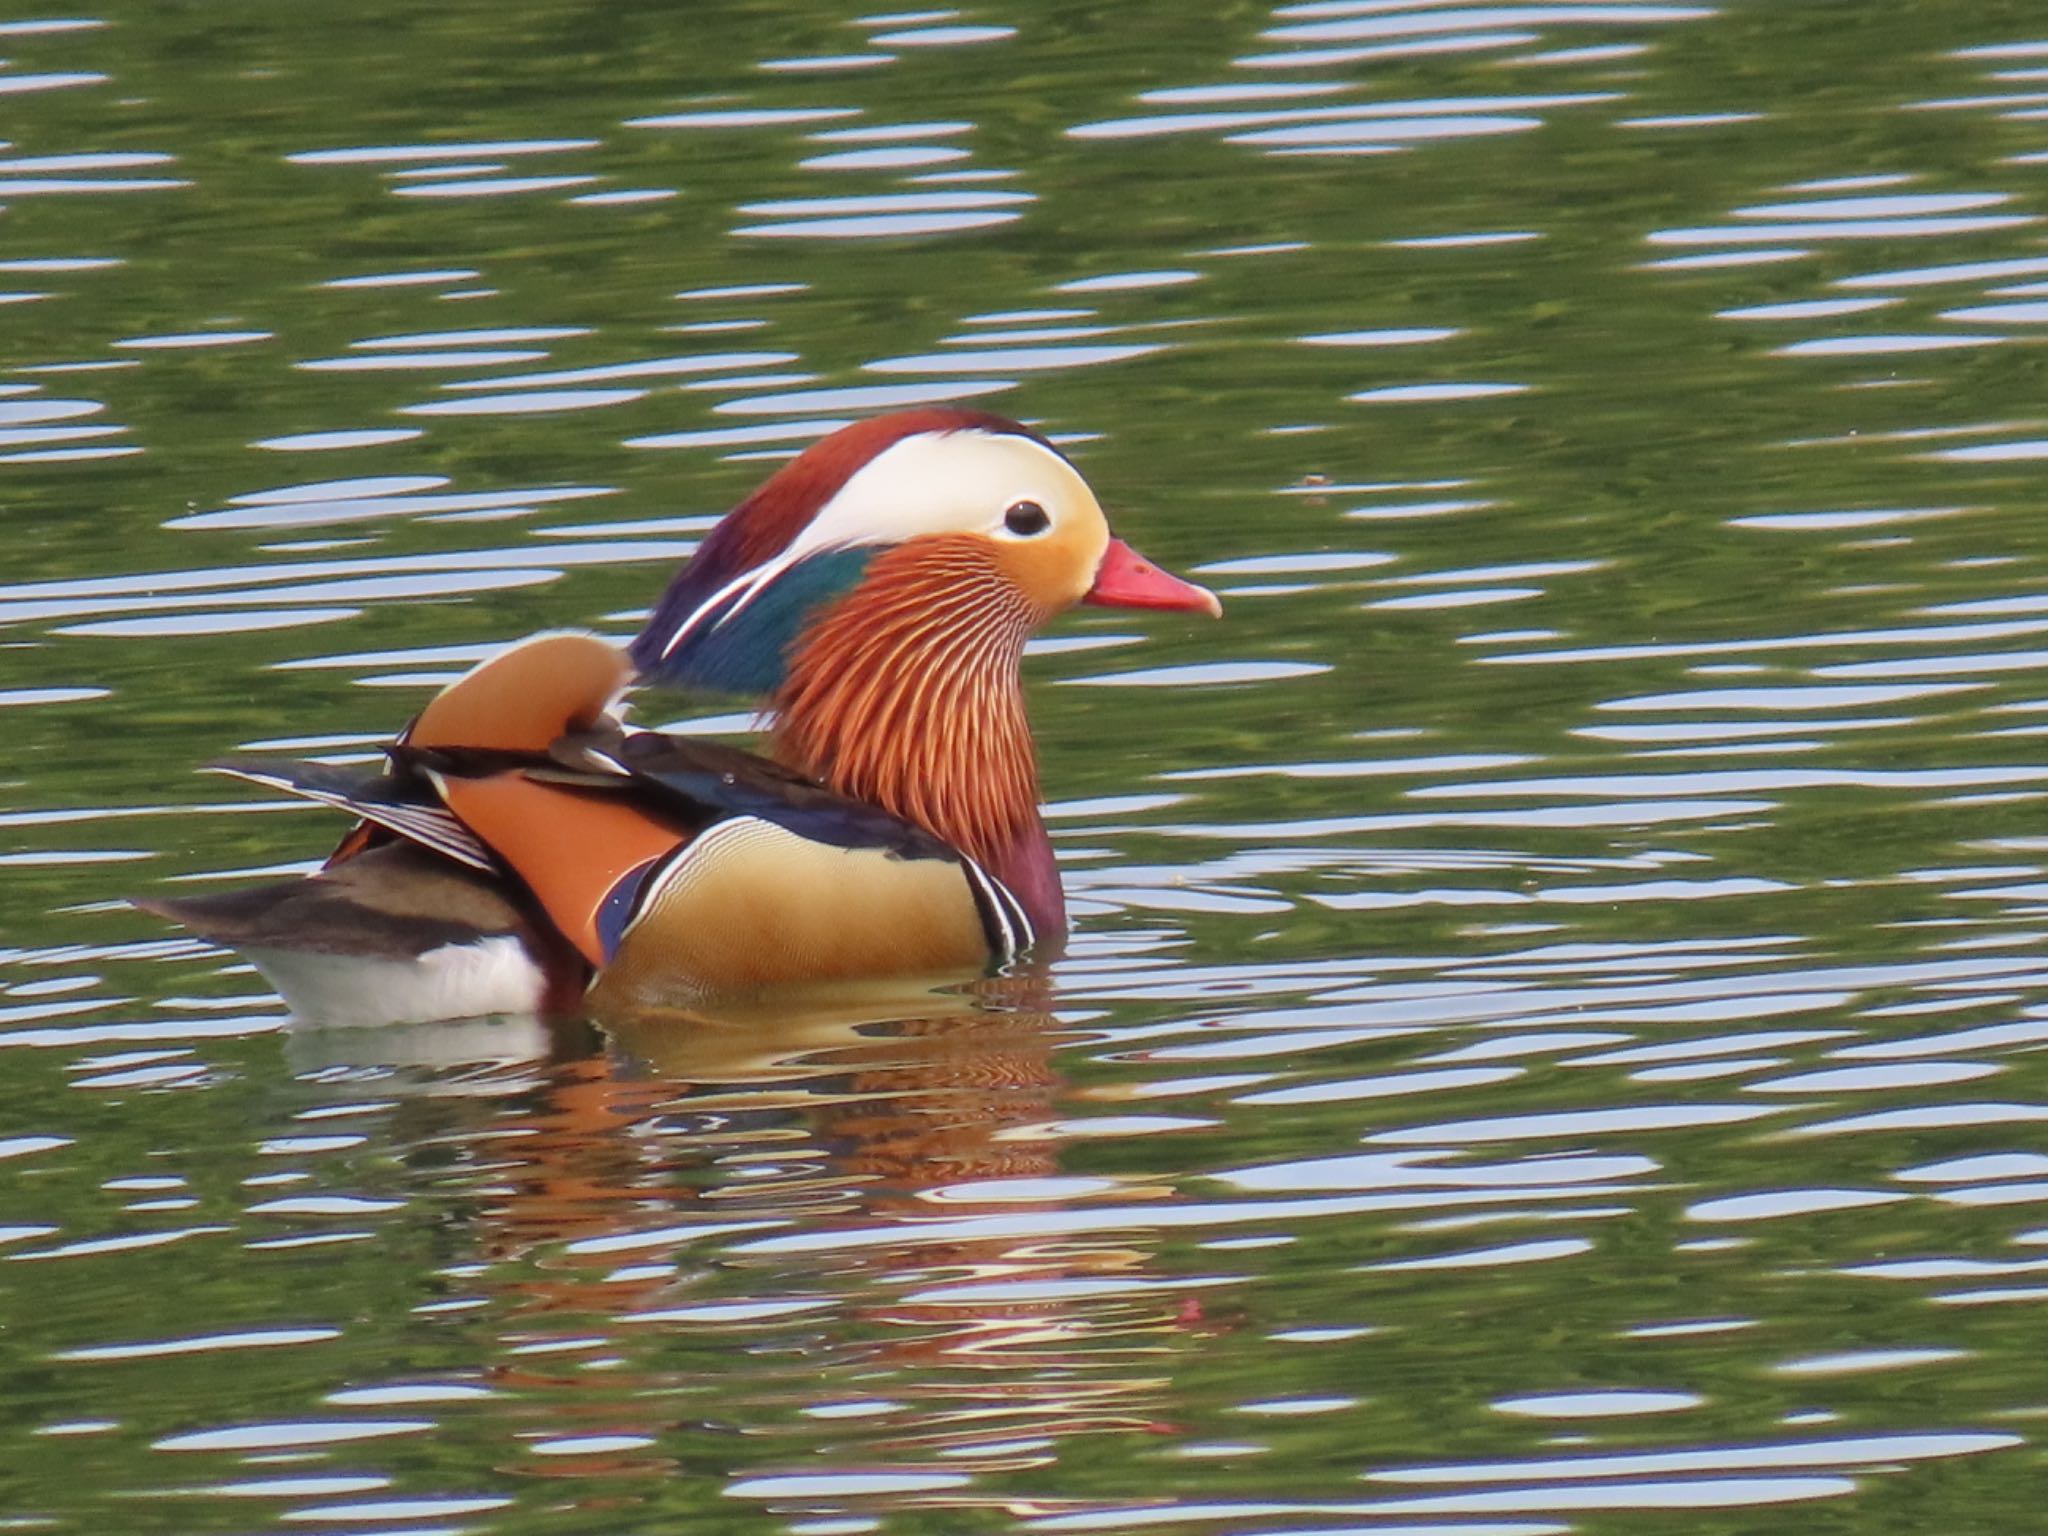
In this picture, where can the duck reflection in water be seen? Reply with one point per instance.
(719, 1240)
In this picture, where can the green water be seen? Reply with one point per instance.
(1553, 1036)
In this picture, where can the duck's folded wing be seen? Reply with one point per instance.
(399, 804)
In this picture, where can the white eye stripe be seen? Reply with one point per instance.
(930, 482)
(941, 482)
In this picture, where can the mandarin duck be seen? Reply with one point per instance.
(522, 849)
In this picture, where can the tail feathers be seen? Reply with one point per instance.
(393, 902)
(521, 699)
(391, 936)
(398, 805)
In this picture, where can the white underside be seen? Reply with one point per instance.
(456, 981)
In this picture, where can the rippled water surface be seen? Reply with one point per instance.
(1554, 1040)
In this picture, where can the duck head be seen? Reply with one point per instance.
(804, 541)
(878, 590)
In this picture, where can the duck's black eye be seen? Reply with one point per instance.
(1026, 518)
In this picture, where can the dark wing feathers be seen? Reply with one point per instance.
(695, 783)
(692, 784)
(401, 804)
(725, 781)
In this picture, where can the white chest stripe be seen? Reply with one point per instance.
(1012, 928)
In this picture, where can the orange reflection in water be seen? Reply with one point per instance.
(623, 1321)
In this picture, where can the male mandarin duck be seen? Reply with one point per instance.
(522, 844)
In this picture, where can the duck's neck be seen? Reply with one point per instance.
(906, 694)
